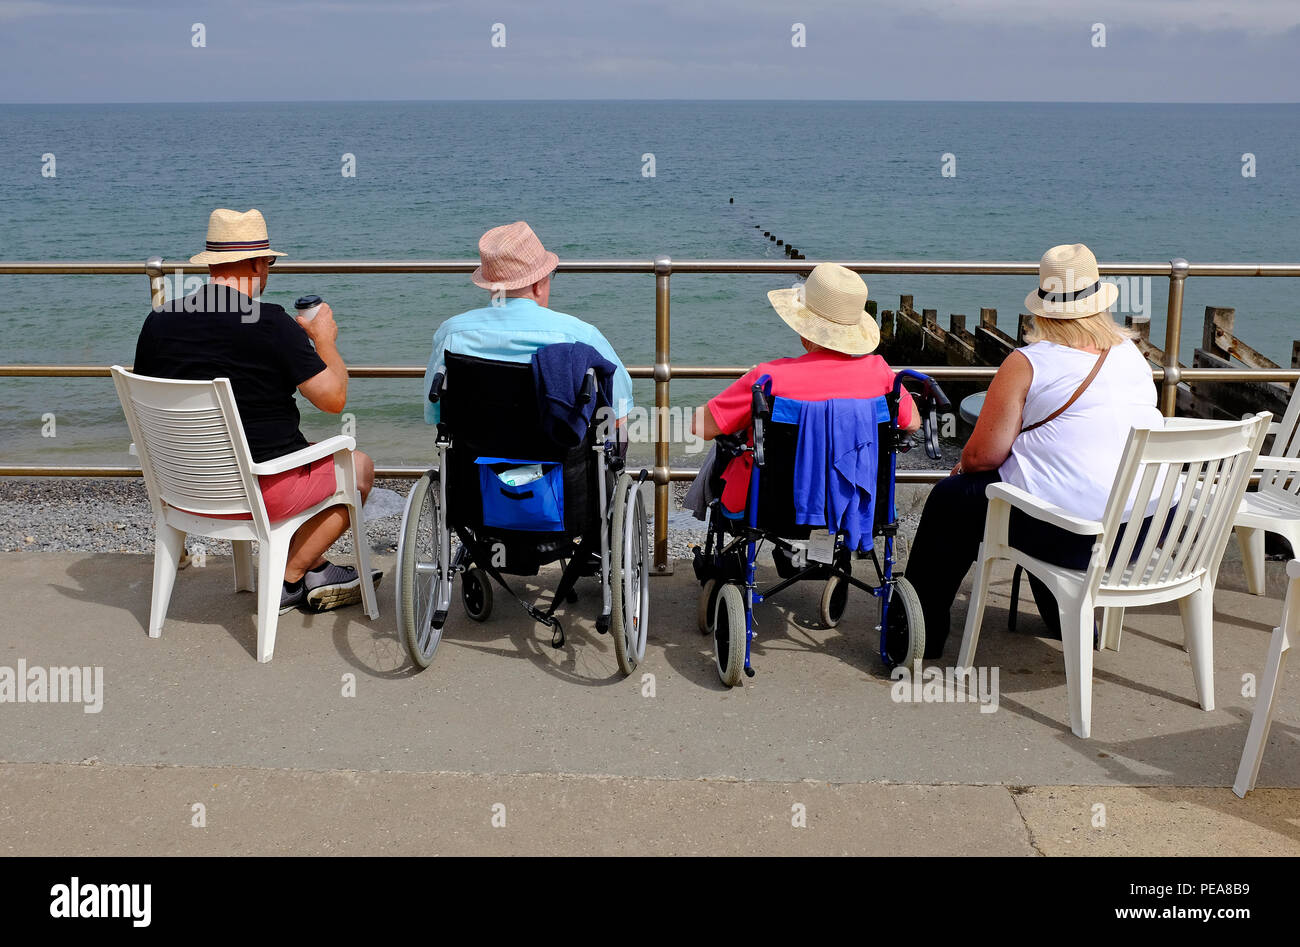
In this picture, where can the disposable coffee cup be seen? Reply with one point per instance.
(308, 306)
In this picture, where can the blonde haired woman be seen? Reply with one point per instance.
(1054, 423)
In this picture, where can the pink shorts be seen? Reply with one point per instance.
(290, 492)
(298, 489)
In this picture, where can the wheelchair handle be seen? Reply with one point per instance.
(588, 387)
(932, 401)
(435, 390)
(935, 393)
(930, 389)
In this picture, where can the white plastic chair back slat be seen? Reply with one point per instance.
(190, 443)
(1140, 502)
(1226, 496)
(1164, 565)
(1198, 501)
(1285, 444)
(1150, 557)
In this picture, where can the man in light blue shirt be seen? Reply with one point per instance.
(517, 269)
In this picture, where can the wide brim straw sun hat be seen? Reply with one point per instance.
(830, 309)
(233, 236)
(1069, 285)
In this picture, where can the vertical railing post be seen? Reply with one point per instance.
(157, 286)
(663, 374)
(1173, 333)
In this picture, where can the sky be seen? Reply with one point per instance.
(982, 50)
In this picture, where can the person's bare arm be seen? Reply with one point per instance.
(915, 423)
(1001, 417)
(703, 425)
(328, 389)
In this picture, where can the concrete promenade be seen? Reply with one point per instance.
(339, 747)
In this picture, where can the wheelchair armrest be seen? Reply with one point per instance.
(313, 452)
(1045, 512)
(435, 390)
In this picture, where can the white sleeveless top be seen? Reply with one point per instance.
(1071, 460)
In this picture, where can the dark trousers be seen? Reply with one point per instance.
(947, 542)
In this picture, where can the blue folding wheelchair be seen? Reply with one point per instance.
(470, 517)
(725, 566)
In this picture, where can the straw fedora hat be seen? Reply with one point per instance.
(1069, 286)
(234, 236)
(830, 309)
(511, 257)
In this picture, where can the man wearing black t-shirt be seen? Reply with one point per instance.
(225, 330)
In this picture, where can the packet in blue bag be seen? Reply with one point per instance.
(522, 494)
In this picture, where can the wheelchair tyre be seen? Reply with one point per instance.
(903, 642)
(476, 594)
(704, 608)
(423, 571)
(835, 596)
(729, 634)
(629, 581)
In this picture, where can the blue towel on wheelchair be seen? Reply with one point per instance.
(558, 372)
(835, 466)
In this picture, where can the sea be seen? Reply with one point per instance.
(613, 180)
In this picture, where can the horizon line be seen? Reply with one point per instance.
(505, 101)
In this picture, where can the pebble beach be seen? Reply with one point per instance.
(112, 515)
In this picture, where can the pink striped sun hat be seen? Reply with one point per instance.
(511, 257)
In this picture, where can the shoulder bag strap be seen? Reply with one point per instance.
(1074, 397)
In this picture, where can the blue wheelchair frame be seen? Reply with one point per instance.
(930, 401)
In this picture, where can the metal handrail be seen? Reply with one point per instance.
(939, 372)
(662, 372)
(880, 267)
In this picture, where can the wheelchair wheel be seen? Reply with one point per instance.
(629, 550)
(704, 607)
(476, 594)
(835, 596)
(423, 570)
(729, 634)
(903, 642)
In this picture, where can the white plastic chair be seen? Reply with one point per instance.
(1275, 507)
(196, 463)
(1194, 474)
(1257, 738)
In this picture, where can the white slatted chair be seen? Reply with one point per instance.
(1201, 469)
(196, 461)
(1283, 634)
(1275, 507)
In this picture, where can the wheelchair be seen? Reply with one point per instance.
(465, 518)
(725, 566)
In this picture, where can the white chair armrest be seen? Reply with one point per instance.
(1273, 427)
(1039, 510)
(1191, 424)
(1266, 462)
(325, 448)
